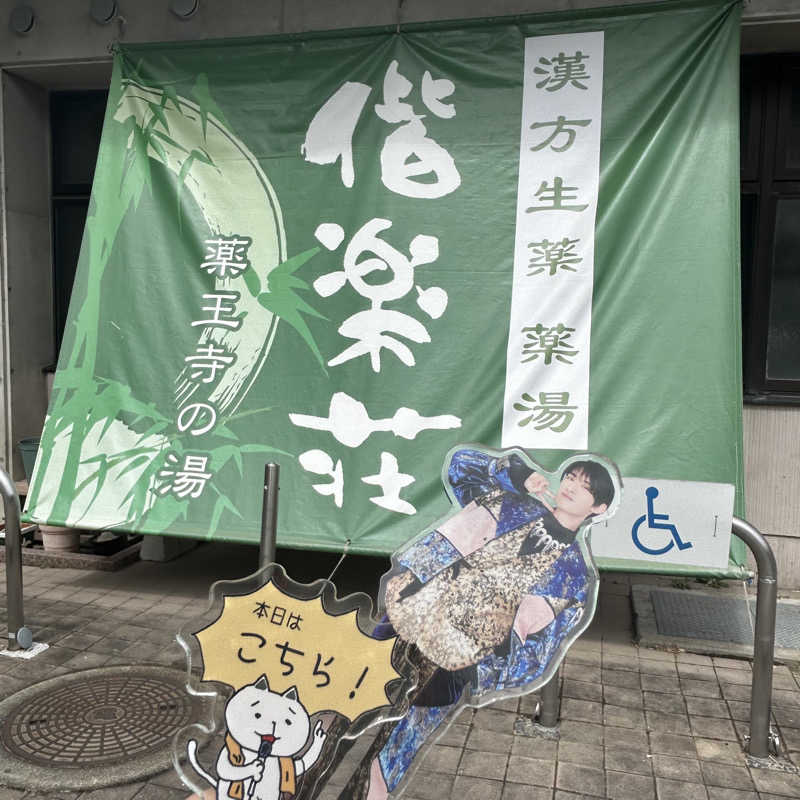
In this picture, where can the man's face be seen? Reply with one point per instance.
(575, 497)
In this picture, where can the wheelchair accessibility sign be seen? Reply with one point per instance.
(669, 522)
(656, 522)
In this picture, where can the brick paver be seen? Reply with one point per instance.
(635, 724)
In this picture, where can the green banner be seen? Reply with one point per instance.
(348, 253)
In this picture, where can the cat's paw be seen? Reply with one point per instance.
(319, 734)
(257, 770)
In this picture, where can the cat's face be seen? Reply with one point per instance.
(255, 715)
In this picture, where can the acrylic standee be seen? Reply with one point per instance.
(294, 671)
(493, 595)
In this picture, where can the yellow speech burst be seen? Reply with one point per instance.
(295, 642)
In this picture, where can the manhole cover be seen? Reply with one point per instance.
(94, 728)
(98, 720)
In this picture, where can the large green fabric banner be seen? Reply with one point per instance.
(350, 252)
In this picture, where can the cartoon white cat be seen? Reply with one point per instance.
(265, 731)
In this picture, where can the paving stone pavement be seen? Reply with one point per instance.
(636, 724)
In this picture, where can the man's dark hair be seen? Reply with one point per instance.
(600, 484)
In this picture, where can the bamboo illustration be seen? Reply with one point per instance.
(155, 125)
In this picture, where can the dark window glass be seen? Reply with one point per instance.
(76, 123)
(748, 237)
(750, 114)
(69, 217)
(770, 227)
(792, 153)
(787, 147)
(783, 338)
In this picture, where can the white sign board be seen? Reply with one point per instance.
(685, 523)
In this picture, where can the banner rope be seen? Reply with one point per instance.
(339, 562)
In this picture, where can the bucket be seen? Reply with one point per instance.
(28, 448)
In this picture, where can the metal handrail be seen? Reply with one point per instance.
(763, 647)
(550, 702)
(18, 634)
(16, 621)
(764, 637)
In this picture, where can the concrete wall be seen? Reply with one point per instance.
(772, 476)
(67, 50)
(28, 257)
(65, 31)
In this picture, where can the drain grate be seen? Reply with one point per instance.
(97, 720)
(723, 618)
(99, 727)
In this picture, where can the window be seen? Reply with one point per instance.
(76, 122)
(770, 173)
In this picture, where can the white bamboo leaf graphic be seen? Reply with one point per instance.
(235, 198)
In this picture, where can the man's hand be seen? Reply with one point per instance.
(538, 484)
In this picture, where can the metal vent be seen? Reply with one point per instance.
(722, 619)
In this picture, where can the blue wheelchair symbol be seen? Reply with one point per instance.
(656, 522)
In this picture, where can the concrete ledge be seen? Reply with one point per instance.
(32, 557)
(164, 548)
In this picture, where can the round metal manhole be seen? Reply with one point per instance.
(98, 720)
(94, 728)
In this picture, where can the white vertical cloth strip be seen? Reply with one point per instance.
(547, 365)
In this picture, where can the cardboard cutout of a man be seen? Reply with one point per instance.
(493, 596)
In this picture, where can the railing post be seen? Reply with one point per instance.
(16, 622)
(550, 703)
(764, 639)
(269, 515)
